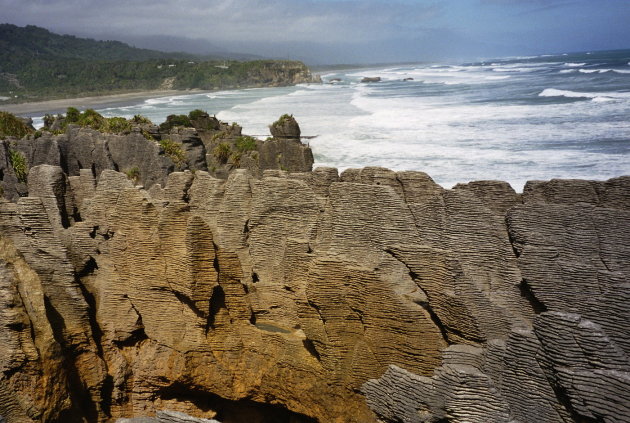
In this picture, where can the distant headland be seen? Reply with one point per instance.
(37, 65)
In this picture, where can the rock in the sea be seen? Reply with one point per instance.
(285, 127)
(371, 79)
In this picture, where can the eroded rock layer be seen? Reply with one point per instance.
(301, 297)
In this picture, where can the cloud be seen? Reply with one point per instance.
(339, 30)
(242, 20)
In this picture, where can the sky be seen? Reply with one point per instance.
(340, 31)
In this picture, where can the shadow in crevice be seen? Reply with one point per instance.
(217, 302)
(528, 294)
(230, 411)
(83, 408)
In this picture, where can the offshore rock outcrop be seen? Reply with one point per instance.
(311, 296)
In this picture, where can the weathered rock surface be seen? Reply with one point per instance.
(300, 297)
(141, 155)
(285, 127)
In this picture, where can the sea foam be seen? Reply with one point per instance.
(600, 96)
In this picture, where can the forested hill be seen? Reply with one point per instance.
(37, 64)
(20, 45)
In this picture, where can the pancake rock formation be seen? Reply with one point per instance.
(370, 296)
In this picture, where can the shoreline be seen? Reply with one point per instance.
(97, 102)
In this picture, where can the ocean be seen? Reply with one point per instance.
(513, 119)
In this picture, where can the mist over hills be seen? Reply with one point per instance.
(22, 44)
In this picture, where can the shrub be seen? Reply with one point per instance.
(147, 135)
(222, 152)
(73, 115)
(196, 114)
(219, 135)
(175, 120)
(173, 151)
(133, 174)
(11, 126)
(282, 119)
(141, 119)
(236, 158)
(245, 143)
(92, 119)
(48, 120)
(118, 124)
(18, 163)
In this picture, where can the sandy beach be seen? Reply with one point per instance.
(97, 102)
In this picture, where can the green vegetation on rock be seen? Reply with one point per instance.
(175, 120)
(18, 163)
(235, 157)
(283, 119)
(133, 174)
(245, 143)
(222, 152)
(174, 151)
(118, 125)
(139, 119)
(196, 114)
(92, 119)
(11, 126)
(73, 115)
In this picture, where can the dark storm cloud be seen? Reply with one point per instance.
(340, 30)
(234, 20)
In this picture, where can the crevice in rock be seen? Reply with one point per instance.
(215, 262)
(426, 305)
(89, 267)
(135, 338)
(233, 411)
(516, 248)
(97, 334)
(310, 347)
(82, 404)
(528, 294)
(217, 302)
(185, 299)
(317, 309)
(63, 160)
(186, 196)
(76, 215)
(255, 278)
(565, 401)
(137, 335)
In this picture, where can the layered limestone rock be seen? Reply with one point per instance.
(148, 153)
(299, 297)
